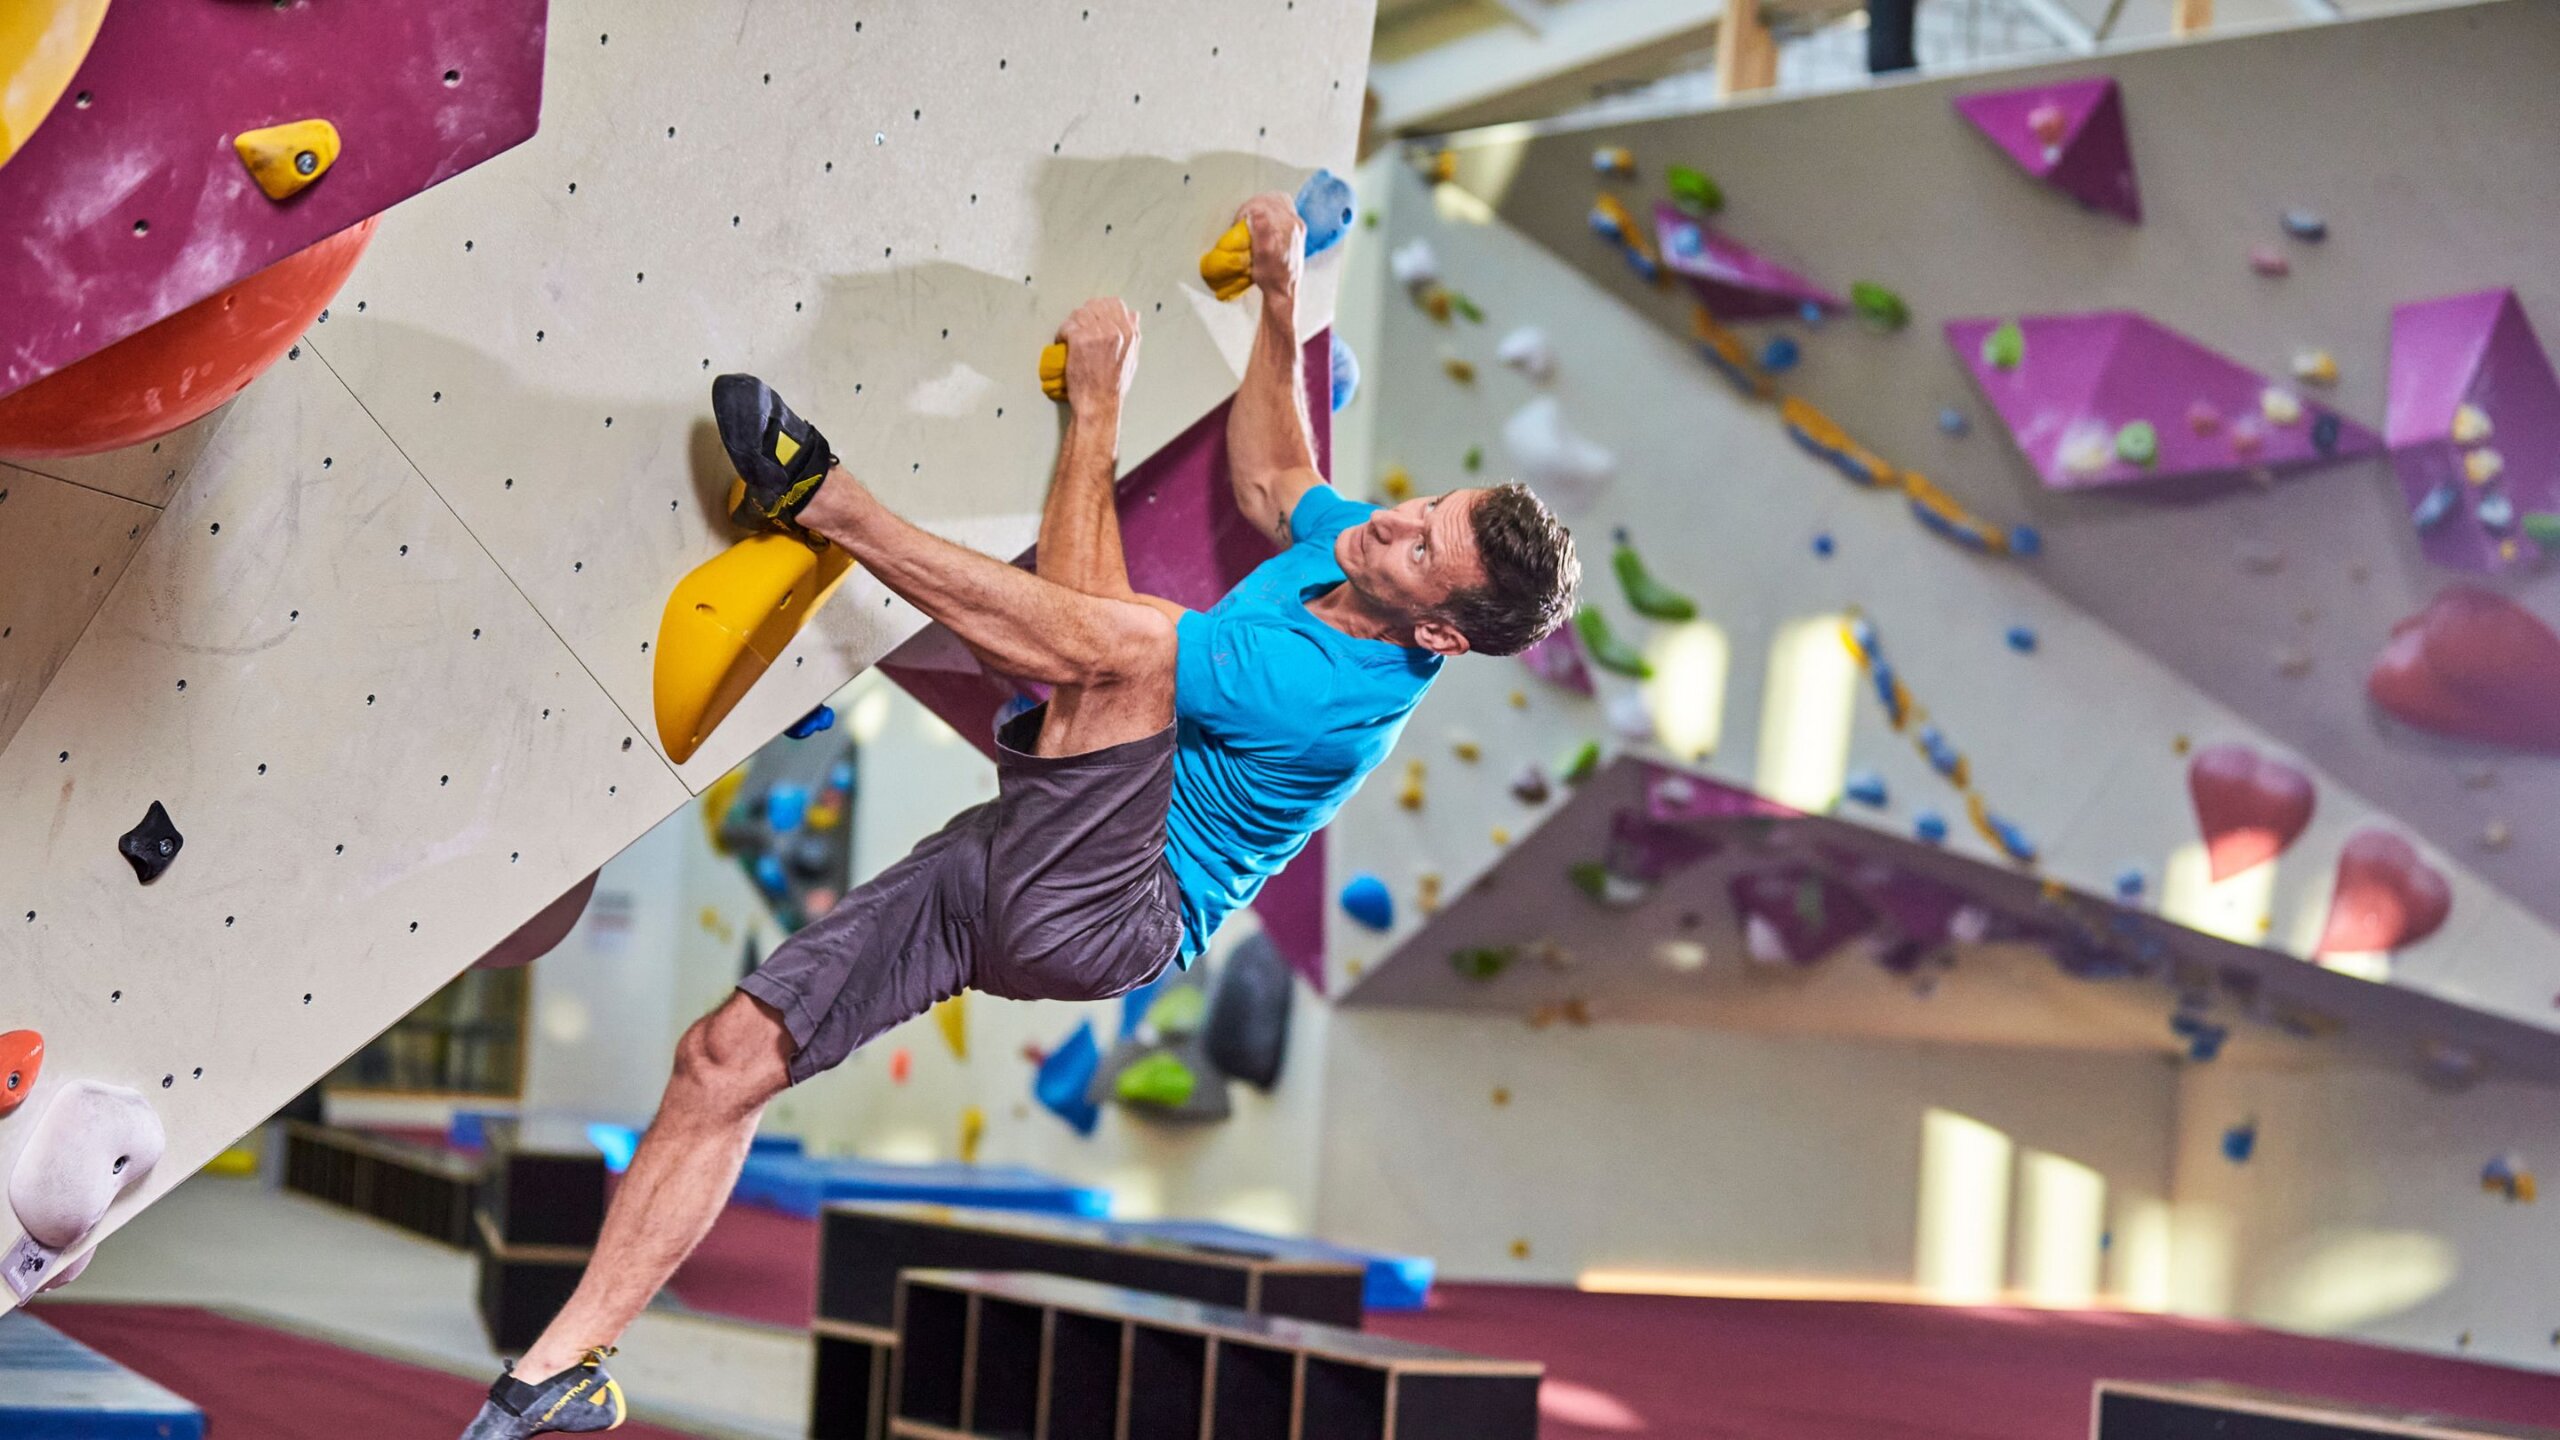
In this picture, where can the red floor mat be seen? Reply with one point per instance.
(1688, 1369)
(255, 1383)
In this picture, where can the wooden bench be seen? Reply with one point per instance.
(2137, 1410)
(540, 1209)
(424, 1189)
(985, 1356)
(863, 1247)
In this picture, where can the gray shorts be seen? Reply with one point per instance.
(1057, 889)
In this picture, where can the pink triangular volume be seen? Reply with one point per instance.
(2474, 428)
(1735, 281)
(2069, 135)
(2080, 380)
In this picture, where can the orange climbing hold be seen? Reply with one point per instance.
(161, 377)
(21, 1059)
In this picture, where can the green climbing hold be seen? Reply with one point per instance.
(1879, 306)
(1694, 191)
(1604, 647)
(2137, 443)
(2542, 528)
(1466, 307)
(1483, 962)
(1475, 459)
(1591, 877)
(1179, 1011)
(1159, 1079)
(1645, 595)
(1581, 764)
(2006, 347)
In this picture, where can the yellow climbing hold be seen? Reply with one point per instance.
(1519, 699)
(1462, 371)
(951, 1017)
(1227, 267)
(715, 809)
(1426, 894)
(2470, 424)
(1410, 797)
(2482, 465)
(1053, 371)
(42, 43)
(725, 623)
(1396, 484)
(2318, 367)
(1501, 1096)
(1467, 750)
(1519, 1249)
(285, 158)
(1501, 836)
(973, 1132)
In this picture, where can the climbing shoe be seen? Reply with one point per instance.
(577, 1400)
(781, 458)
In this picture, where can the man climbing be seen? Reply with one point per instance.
(1182, 759)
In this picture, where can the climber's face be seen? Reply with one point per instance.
(1408, 561)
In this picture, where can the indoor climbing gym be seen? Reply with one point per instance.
(1279, 719)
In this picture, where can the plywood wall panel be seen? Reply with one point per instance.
(61, 549)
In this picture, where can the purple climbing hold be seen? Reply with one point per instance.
(2070, 135)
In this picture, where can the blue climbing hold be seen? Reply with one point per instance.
(2435, 506)
(2022, 639)
(2025, 541)
(1866, 787)
(2130, 884)
(1812, 313)
(1780, 354)
(2240, 1142)
(822, 718)
(1346, 373)
(840, 775)
(1943, 755)
(2305, 225)
(786, 807)
(2324, 433)
(1930, 827)
(1135, 1004)
(1951, 421)
(2497, 512)
(769, 877)
(1823, 545)
(1065, 1078)
(1325, 204)
(1367, 900)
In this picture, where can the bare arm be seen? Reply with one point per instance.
(1079, 527)
(1271, 449)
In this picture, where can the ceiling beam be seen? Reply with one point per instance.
(1512, 72)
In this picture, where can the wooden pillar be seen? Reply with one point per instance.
(1746, 54)
(2190, 17)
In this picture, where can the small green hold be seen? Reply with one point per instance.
(2005, 348)
(1483, 962)
(1879, 306)
(2137, 443)
(1179, 1012)
(1694, 191)
(1475, 459)
(1646, 595)
(1159, 1079)
(1466, 307)
(1591, 877)
(2542, 528)
(1369, 220)
(1582, 764)
(1604, 647)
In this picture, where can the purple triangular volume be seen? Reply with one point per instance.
(2085, 377)
(2083, 150)
(1736, 281)
(2477, 350)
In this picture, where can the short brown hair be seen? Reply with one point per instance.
(1530, 573)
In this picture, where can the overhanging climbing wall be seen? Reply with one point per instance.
(383, 658)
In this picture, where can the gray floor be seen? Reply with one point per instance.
(235, 1245)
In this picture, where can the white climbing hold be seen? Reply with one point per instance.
(1762, 942)
(1413, 263)
(93, 1143)
(1569, 469)
(2495, 835)
(2280, 406)
(1628, 718)
(1527, 350)
(1681, 957)
(2317, 367)
(2088, 449)
(1969, 925)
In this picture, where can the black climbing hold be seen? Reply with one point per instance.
(151, 845)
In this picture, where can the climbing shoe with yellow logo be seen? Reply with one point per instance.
(781, 457)
(578, 1399)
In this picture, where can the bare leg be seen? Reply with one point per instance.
(727, 1066)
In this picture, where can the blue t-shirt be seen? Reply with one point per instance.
(1278, 716)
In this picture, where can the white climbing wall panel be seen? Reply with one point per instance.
(62, 548)
(382, 656)
(886, 210)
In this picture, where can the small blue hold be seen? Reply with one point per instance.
(1605, 225)
(2496, 511)
(840, 775)
(1684, 242)
(2025, 541)
(2305, 225)
(769, 876)
(1943, 756)
(2435, 505)
(1866, 787)
(822, 718)
(1951, 421)
(1325, 204)
(2240, 1142)
(1643, 265)
(1780, 354)
(1930, 826)
(2022, 639)
(2131, 883)
(1812, 313)
(2324, 433)
(1367, 900)
(1823, 545)
(785, 807)
(1346, 373)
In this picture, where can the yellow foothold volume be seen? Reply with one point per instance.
(1227, 267)
(283, 159)
(727, 621)
(1053, 371)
